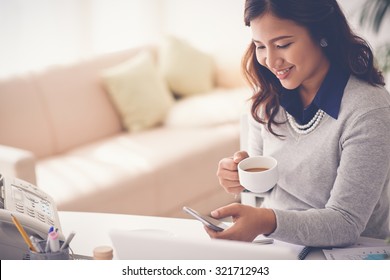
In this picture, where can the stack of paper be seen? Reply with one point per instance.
(365, 249)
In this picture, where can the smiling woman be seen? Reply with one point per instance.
(323, 35)
(283, 46)
(319, 108)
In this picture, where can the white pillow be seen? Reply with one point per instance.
(138, 91)
(187, 70)
(217, 107)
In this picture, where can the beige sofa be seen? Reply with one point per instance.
(62, 130)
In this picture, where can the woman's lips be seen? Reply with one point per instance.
(282, 74)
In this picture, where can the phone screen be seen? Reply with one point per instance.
(206, 220)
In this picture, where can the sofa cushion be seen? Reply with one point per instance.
(217, 107)
(187, 70)
(75, 103)
(138, 92)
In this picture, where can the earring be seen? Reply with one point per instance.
(323, 42)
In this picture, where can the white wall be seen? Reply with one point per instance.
(37, 33)
(210, 25)
(120, 24)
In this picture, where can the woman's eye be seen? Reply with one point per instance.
(283, 46)
(260, 47)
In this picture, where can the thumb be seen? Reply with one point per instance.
(226, 211)
(239, 156)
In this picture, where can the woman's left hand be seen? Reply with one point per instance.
(249, 222)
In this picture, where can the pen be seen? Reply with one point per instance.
(305, 251)
(23, 233)
(68, 240)
(47, 247)
(54, 242)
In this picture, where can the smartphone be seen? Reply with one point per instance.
(206, 220)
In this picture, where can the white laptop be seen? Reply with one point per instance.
(162, 245)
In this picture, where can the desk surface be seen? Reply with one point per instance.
(92, 229)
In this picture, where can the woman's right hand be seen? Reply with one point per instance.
(228, 173)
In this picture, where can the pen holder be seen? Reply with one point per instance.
(59, 255)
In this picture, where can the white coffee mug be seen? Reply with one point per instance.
(258, 174)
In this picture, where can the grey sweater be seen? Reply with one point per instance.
(333, 184)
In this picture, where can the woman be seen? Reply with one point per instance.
(319, 108)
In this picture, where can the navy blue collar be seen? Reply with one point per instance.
(328, 97)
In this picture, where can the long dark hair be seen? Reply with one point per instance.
(323, 19)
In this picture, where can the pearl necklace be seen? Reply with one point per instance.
(306, 128)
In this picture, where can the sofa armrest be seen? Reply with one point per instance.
(17, 163)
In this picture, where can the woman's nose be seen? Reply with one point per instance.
(273, 60)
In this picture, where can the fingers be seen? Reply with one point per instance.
(248, 222)
(239, 156)
(232, 187)
(227, 172)
(210, 232)
(228, 164)
(233, 232)
(227, 169)
(231, 210)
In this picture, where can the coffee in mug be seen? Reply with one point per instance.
(256, 169)
(258, 174)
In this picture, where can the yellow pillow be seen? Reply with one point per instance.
(187, 70)
(138, 91)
